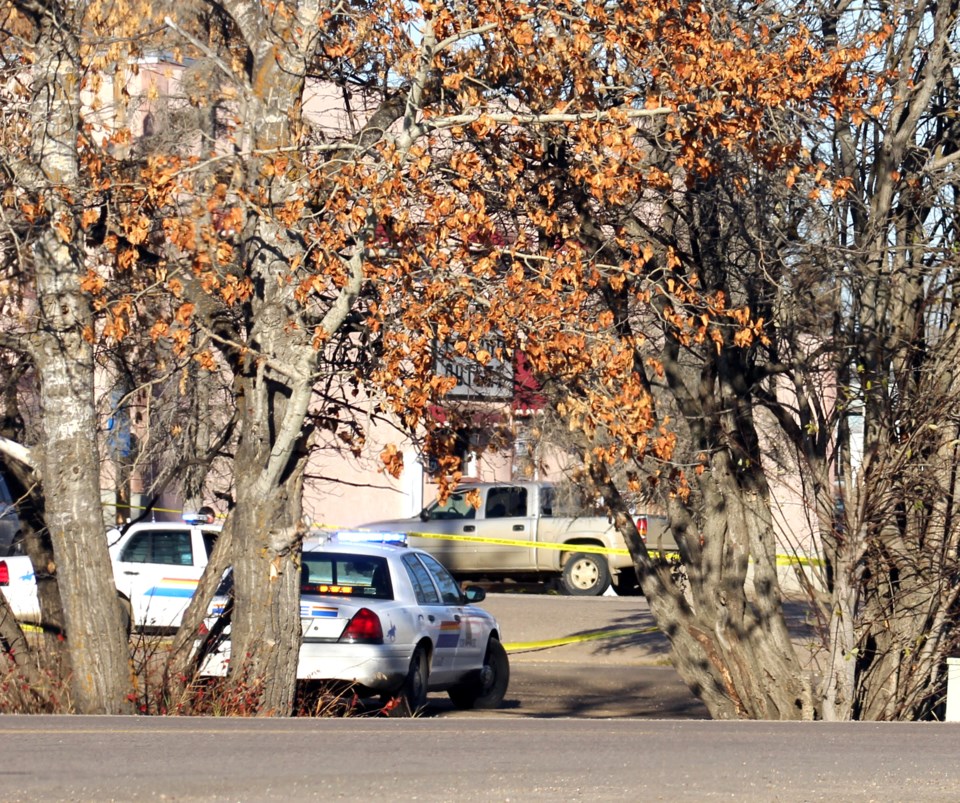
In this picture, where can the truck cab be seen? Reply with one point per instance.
(156, 568)
(522, 530)
(504, 513)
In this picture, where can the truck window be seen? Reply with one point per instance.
(10, 534)
(546, 501)
(174, 549)
(456, 507)
(138, 549)
(506, 502)
(5, 499)
(171, 548)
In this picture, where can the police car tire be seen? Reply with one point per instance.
(579, 565)
(413, 692)
(477, 693)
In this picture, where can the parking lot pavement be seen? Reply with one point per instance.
(584, 690)
(605, 630)
(594, 657)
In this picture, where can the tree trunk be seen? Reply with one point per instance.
(64, 360)
(838, 687)
(737, 623)
(266, 632)
(729, 638)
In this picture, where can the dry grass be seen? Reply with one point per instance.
(51, 695)
(148, 657)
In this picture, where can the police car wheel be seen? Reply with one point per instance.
(585, 575)
(487, 688)
(412, 695)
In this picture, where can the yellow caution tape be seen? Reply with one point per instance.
(141, 507)
(782, 560)
(523, 646)
(179, 512)
(480, 539)
(798, 560)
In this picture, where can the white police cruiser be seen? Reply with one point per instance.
(387, 620)
(156, 568)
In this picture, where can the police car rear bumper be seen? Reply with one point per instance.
(375, 667)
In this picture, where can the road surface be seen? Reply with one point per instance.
(491, 759)
(594, 712)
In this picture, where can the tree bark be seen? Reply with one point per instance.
(64, 360)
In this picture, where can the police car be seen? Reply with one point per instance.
(156, 568)
(388, 620)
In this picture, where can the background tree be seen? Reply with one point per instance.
(594, 222)
(268, 244)
(881, 463)
(633, 195)
(626, 155)
(70, 230)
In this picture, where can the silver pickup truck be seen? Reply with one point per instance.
(520, 530)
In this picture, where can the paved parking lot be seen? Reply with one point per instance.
(584, 657)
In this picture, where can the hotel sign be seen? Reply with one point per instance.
(490, 382)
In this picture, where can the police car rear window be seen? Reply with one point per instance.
(345, 575)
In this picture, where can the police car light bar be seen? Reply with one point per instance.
(364, 537)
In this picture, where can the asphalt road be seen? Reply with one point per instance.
(498, 759)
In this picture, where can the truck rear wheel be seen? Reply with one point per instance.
(585, 575)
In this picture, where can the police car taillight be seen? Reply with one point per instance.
(4, 573)
(642, 527)
(363, 628)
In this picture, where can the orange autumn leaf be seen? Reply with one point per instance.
(92, 283)
(185, 313)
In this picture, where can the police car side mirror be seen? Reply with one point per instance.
(474, 594)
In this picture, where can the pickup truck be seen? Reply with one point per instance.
(156, 568)
(530, 536)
